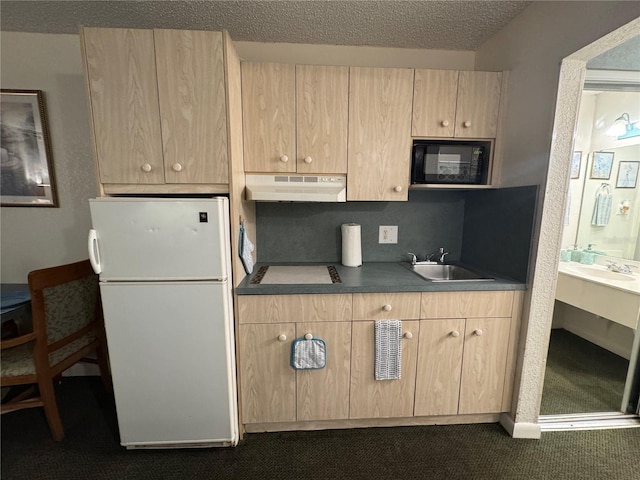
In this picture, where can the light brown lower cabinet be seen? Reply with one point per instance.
(272, 391)
(462, 364)
(458, 356)
(371, 398)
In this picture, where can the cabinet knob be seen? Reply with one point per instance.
(387, 308)
(467, 124)
(146, 167)
(308, 159)
(398, 188)
(308, 336)
(282, 338)
(454, 333)
(284, 158)
(444, 123)
(408, 335)
(176, 167)
(478, 332)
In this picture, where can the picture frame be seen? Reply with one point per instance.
(601, 166)
(27, 176)
(627, 174)
(576, 161)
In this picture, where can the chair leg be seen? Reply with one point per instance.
(103, 365)
(48, 396)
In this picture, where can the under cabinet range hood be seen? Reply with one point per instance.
(296, 188)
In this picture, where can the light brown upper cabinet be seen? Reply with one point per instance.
(285, 106)
(322, 107)
(448, 103)
(158, 107)
(268, 115)
(379, 151)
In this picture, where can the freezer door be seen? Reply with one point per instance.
(160, 239)
(172, 360)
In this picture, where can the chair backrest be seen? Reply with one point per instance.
(64, 300)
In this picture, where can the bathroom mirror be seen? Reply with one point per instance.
(604, 174)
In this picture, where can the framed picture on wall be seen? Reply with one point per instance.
(601, 166)
(627, 175)
(26, 175)
(575, 164)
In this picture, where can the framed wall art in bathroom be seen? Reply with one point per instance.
(25, 150)
(601, 166)
(575, 164)
(627, 175)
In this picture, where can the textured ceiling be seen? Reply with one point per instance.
(449, 25)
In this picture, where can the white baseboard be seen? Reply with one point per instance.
(519, 429)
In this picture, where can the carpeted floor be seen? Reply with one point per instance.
(91, 451)
(581, 377)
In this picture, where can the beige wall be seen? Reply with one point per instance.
(532, 47)
(33, 237)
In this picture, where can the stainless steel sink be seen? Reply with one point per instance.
(446, 273)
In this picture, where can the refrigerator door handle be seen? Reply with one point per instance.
(94, 253)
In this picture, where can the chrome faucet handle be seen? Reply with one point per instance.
(442, 255)
(414, 258)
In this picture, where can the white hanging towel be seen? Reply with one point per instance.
(388, 349)
(602, 207)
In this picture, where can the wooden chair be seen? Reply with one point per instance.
(67, 325)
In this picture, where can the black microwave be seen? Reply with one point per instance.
(450, 161)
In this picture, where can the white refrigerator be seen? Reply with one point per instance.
(165, 282)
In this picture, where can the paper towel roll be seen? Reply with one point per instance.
(351, 245)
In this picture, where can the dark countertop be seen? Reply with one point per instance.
(382, 277)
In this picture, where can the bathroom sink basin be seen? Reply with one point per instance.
(602, 273)
(446, 273)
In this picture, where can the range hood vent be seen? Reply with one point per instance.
(296, 188)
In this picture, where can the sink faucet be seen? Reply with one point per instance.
(437, 256)
(614, 267)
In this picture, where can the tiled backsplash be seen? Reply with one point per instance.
(310, 232)
(498, 227)
(489, 229)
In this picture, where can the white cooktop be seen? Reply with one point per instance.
(296, 274)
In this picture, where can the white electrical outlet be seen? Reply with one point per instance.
(388, 234)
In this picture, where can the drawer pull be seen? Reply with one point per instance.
(408, 335)
(146, 167)
(444, 123)
(284, 158)
(387, 308)
(478, 332)
(398, 188)
(467, 124)
(176, 167)
(454, 333)
(308, 336)
(308, 159)
(282, 338)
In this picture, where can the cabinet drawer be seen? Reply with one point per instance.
(383, 306)
(466, 304)
(294, 308)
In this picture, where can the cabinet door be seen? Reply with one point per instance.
(268, 111)
(193, 109)
(267, 379)
(121, 71)
(324, 394)
(322, 100)
(371, 398)
(478, 104)
(434, 103)
(483, 366)
(379, 151)
(439, 366)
